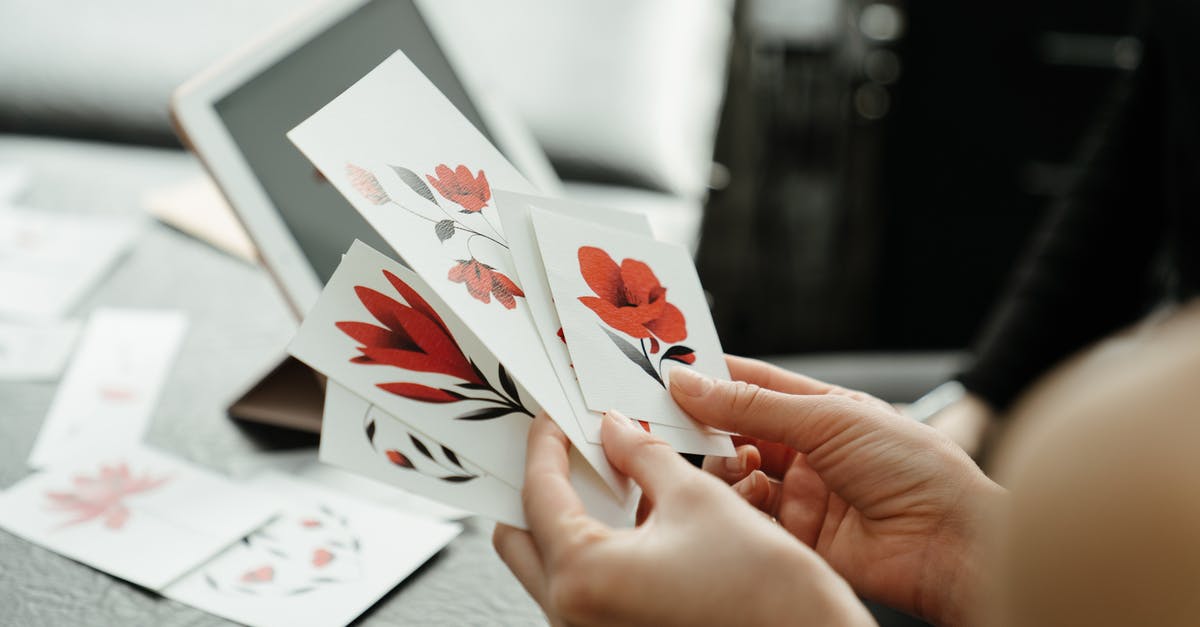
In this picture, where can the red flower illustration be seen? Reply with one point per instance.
(262, 574)
(629, 297)
(321, 557)
(483, 282)
(413, 336)
(458, 186)
(366, 184)
(102, 496)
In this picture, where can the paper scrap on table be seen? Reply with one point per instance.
(632, 308)
(197, 208)
(112, 384)
(422, 175)
(14, 180)
(48, 259)
(514, 212)
(326, 559)
(135, 513)
(36, 352)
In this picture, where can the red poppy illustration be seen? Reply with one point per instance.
(629, 298)
(458, 186)
(415, 338)
(102, 496)
(483, 282)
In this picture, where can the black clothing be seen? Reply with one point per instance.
(1127, 238)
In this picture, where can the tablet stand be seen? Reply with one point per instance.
(291, 396)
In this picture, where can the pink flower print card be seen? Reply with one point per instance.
(323, 561)
(137, 513)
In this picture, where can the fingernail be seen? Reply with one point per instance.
(620, 418)
(690, 382)
(735, 464)
(745, 487)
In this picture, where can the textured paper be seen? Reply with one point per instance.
(323, 561)
(111, 387)
(137, 514)
(36, 352)
(48, 260)
(422, 176)
(514, 212)
(644, 288)
(345, 444)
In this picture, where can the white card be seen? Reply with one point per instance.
(379, 331)
(137, 514)
(422, 176)
(36, 352)
(14, 180)
(514, 212)
(111, 387)
(49, 259)
(325, 560)
(631, 308)
(362, 438)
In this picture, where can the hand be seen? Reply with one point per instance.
(965, 422)
(894, 506)
(702, 556)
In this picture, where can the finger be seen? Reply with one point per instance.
(518, 551)
(733, 469)
(775, 378)
(552, 507)
(760, 491)
(649, 461)
(802, 422)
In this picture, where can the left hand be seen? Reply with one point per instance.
(701, 556)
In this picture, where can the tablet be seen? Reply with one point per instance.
(235, 116)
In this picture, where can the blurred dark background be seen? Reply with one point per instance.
(902, 155)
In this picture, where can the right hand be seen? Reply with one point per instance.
(892, 505)
(966, 422)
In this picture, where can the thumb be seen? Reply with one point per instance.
(801, 421)
(649, 461)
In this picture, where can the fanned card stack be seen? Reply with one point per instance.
(492, 305)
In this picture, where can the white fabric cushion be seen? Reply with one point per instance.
(628, 90)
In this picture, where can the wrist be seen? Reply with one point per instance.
(811, 593)
(951, 588)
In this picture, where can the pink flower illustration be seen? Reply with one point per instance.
(102, 496)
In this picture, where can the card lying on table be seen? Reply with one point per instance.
(437, 365)
(136, 514)
(323, 561)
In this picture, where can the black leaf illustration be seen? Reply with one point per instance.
(414, 181)
(458, 478)
(508, 384)
(304, 590)
(473, 386)
(208, 578)
(420, 446)
(444, 230)
(371, 432)
(634, 355)
(477, 371)
(277, 553)
(487, 413)
(451, 456)
(681, 354)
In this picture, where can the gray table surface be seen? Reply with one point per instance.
(238, 326)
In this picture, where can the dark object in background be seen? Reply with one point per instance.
(897, 170)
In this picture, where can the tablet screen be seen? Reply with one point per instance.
(259, 113)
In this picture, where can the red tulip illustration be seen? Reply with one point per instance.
(415, 338)
(458, 186)
(102, 496)
(483, 282)
(629, 298)
(322, 557)
(262, 574)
